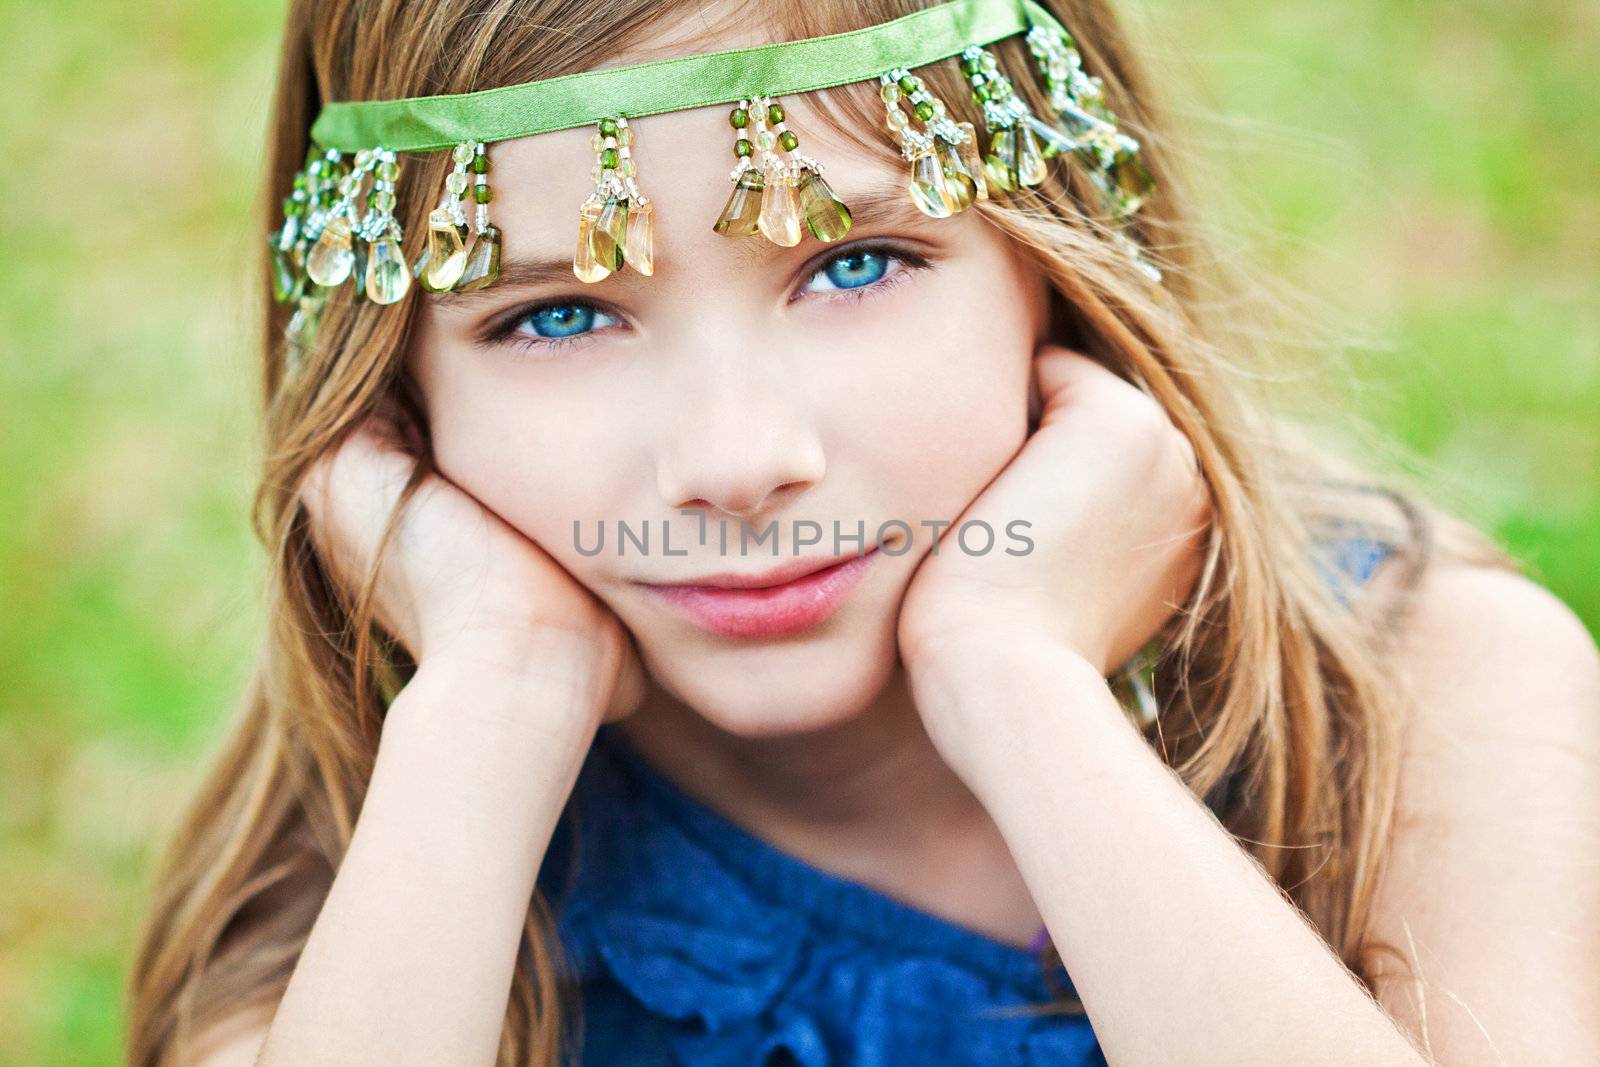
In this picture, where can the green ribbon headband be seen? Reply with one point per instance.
(430, 123)
(339, 216)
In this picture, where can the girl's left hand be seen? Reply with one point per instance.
(1118, 514)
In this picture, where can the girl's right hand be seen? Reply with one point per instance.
(457, 580)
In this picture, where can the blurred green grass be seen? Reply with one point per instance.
(1426, 170)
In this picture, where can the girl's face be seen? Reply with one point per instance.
(883, 377)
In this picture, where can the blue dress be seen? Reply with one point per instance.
(691, 941)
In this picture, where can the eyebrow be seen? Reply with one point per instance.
(883, 205)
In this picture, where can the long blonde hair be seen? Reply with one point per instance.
(1275, 699)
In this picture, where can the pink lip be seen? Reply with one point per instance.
(783, 601)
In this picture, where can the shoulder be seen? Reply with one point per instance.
(1474, 637)
(1504, 687)
(1488, 895)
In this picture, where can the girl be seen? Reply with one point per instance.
(507, 799)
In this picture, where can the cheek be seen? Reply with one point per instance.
(536, 458)
(936, 403)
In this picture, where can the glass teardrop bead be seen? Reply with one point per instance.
(287, 281)
(1000, 164)
(780, 214)
(928, 189)
(331, 259)
(968, 150)
(447, 250)
(639, 251)
(826, 215)
(609, 234)
(387, 278)
(483, 262)
(419, 270)
(584, 264)
(741, 215)
(1031, 167)
(959, 185)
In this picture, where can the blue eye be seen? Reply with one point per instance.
(566, 320)
(854, 269)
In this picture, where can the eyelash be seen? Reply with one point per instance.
(909, 263)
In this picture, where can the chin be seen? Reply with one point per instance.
(778, 691)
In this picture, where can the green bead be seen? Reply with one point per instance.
(908, 83)
(739, 119)
(743, 147)
(981, 93)
(481, 193)
(788, 140)
(924, 111)
(774, 113)
(969, 67)
(480, 164)
(608, 157)
(608, 127)
(388, 170)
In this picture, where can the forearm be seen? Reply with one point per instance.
(1180, 947)
(412, 956)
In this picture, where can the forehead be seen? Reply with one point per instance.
(683, 158)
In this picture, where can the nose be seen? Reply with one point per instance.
(744, 442)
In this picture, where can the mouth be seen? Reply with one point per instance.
(776, 603)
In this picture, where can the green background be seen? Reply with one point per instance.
(1425, 174)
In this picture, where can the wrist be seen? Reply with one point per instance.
(980, 630)
(543, 691)
(991, 700)
(976, 655)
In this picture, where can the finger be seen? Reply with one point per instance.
(351, 492)
(1103, 406)
(1064, 377)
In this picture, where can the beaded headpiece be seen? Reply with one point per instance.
(339, 224)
